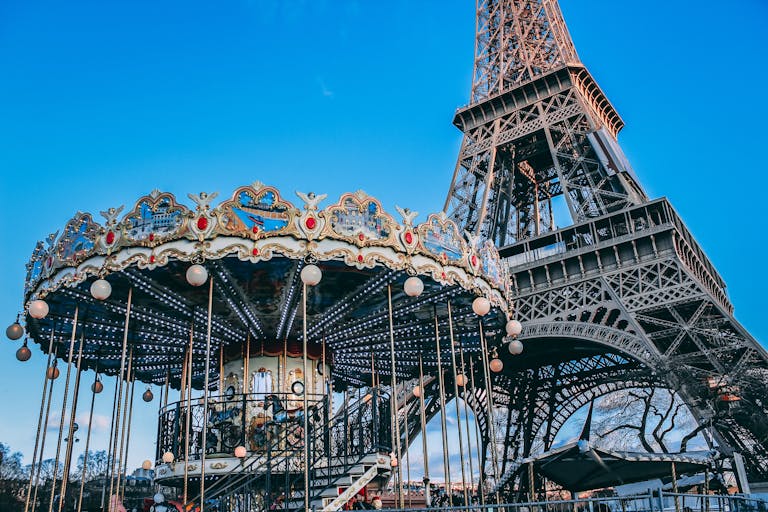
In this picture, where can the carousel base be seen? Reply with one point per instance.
(554, 501)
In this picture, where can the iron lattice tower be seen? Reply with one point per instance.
(622, 297)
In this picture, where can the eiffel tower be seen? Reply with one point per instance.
(624, 296)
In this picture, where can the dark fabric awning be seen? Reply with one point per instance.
(579, 466)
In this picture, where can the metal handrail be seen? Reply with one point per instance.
(659, 501)
(229, 423)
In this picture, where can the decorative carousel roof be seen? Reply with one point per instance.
(254, 246)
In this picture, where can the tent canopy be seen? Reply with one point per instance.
(579, 466)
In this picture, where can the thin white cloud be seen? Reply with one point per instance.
(326, 92)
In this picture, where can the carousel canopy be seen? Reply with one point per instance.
(579, 466)
(254, 246)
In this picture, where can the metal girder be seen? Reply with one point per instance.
(627, 275)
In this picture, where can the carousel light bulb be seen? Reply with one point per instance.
(52, 372)
(14, 331)
(515, 347)
(461, 380)
(393, 461)
(38, 309)
(147, 396)
(481, 306)
(23, 354)
(101, 289)
(146, 465)
(514, 328)
(240, 452)
(97, 387)
(168, 457)
(496, 365)
(413, 286)
(197, 275)
(311, 275)
(417, 391)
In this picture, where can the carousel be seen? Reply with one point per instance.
(299, 350)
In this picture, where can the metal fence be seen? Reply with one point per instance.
(655, 502)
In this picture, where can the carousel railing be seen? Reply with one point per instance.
(356, 432)
(336, 444)
(241, 420)
(273, 464)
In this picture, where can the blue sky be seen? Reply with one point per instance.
(101, 102)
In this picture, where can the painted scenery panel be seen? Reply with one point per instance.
(492, 264)
(265, 212)
(78, 239)
(350, 219)
(163, 220)
(442, 238)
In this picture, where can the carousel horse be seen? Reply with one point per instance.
(221, 422)
(279, 413)
(258, 432)
(217, 417)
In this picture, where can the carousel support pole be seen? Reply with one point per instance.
(466, 420)
(87, 440)
(425, 454)
(456, 401)
(328, 397)
(480, 468)
(491, 419)
(395, 410)
(63, 408)
(110, 454)
(128, 434)
(221, 369)
(183, 378)
(167, 388)
(246, 365)
(188, 415)
(121, 453)
(304, 399)
(443, 426)
(120, 377)
(407, 459)
(72, 414)
(326, 388)
(42, 443)
(206, 378)
(44, 395)
(33, 506)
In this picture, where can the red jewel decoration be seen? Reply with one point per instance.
(151, 237)
(255, 251)
(152, 259)
(310, 223)
(408, 237)
(474, 260)
(202, 223)
(110, 237)
(255, 229)
(361, 237)
(360, 258)
(443, 275)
